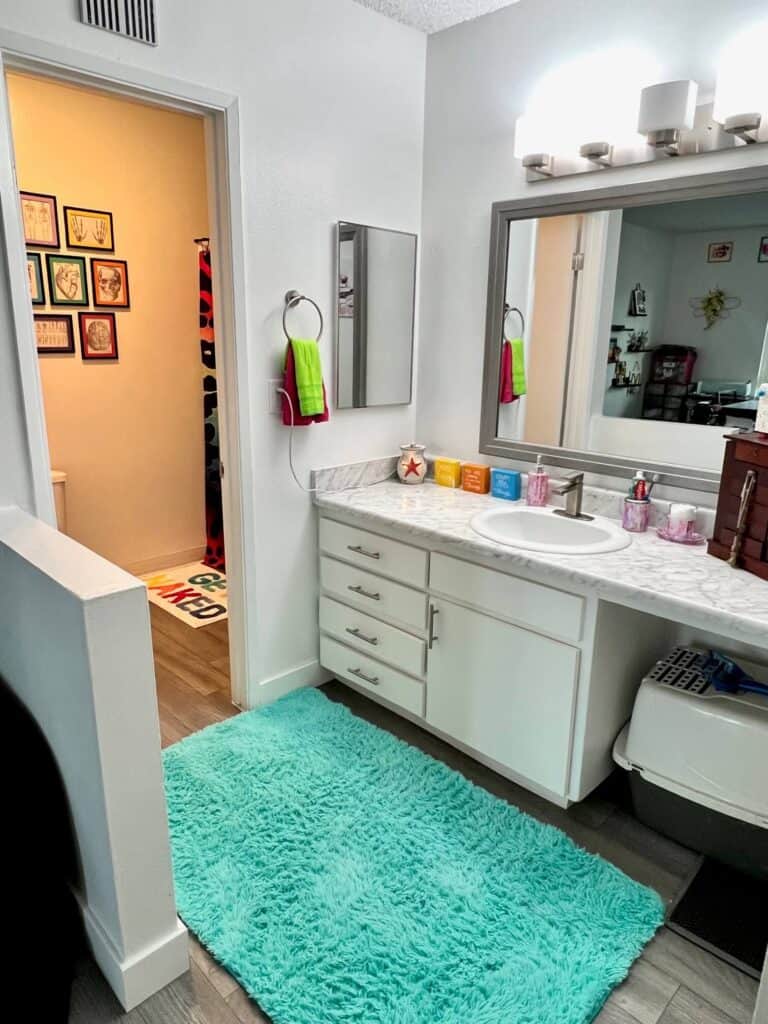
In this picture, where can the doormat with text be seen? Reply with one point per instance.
(193, 593)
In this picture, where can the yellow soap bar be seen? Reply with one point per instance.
(448, 472)
(476, 478)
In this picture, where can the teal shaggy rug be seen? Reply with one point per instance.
(343, 876)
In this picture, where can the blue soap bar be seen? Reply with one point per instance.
(505, 483)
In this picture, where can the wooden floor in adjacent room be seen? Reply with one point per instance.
(192, 673)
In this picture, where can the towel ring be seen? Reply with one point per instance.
(507, 311)
(292, 299)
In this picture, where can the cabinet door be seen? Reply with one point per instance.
(504, 691)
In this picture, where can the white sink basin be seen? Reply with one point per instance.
(539, 529)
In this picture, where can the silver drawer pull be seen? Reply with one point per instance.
(373, 680)
(365, 593)
(355, 632)
(362, 551)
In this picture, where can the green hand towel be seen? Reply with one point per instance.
(518, 367)
(309, 376)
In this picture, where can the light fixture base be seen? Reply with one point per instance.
(743, 126)
(539, 165)
(598, 153)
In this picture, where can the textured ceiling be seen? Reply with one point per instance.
(434, 15)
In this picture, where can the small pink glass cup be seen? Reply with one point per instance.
(636, 515)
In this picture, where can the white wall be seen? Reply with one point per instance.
(332, 126)
(90, 686)
(478, 77)
(645, 256)
(731, 349)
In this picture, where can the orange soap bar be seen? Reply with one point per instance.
(476, 478)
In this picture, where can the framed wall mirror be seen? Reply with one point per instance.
(633, 322)
(375, 316)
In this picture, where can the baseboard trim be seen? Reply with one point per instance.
(160, 562)
(137, 977)
(308, 674)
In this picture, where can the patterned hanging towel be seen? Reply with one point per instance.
(214, 520)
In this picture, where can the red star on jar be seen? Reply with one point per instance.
(412, 467)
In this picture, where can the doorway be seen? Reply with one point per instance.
(117, 224)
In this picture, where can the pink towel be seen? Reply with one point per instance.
(506, 394)
(289, 383)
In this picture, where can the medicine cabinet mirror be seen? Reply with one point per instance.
(634, 322)
(375, 316)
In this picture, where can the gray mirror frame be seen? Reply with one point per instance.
(360, 367)
(739, 181)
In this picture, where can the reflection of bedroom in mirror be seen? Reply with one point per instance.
(375, 316)
(646, 329)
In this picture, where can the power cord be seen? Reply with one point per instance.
(307, 490)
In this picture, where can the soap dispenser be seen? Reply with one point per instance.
(538, 485)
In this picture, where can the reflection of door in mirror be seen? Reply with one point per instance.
(545, 291)
(375, 316)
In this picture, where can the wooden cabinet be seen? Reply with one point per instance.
(506, 692)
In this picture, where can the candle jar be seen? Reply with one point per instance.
(681, 522)
(412, 466)
(636, 515)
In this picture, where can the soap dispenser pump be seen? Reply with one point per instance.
(538, 485)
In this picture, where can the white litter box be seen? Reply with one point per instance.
(698, 763)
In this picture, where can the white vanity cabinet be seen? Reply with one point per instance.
(533, 680)
(503, 691)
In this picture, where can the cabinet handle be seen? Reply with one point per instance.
(364, 593)
(373, 680)
(431, 638)
(362, 551)
(355, 632)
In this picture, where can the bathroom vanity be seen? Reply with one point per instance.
(527, 661)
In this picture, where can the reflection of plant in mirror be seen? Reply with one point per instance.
(715, 305)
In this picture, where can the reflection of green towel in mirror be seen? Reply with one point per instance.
(309, 376)
(518, 367)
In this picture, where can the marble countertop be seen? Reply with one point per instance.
(676, 582)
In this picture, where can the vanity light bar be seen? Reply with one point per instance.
(673, 125)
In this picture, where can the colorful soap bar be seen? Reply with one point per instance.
(448, 472)
(476, 478)
(505, 483)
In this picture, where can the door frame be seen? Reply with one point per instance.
(220, 112)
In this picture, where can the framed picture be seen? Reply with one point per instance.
(35, 275)
(762, 254)
(89, 229)
(109, 281)
(98, 335)
(40, 216)
(54, 334)
(67, 280)
(719, 252)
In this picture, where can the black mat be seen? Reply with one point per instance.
(726, 912)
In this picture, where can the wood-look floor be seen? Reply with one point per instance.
(673, 982)
(192, 673)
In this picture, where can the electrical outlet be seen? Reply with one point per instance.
(274, 406)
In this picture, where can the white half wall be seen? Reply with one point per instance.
(76, 650)
(479, 75)
(331, 105)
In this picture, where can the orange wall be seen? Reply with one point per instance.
(128, 434)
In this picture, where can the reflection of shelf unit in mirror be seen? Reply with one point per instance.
(628, 386)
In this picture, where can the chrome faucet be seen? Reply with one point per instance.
(573, 489)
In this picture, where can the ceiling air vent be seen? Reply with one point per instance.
(135, 19)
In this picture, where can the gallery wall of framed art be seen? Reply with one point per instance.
(120, 188)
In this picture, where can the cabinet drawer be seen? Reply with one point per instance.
(374, 638)
(373, 594)
(372, 676)
(530, 604)
(389, 557)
